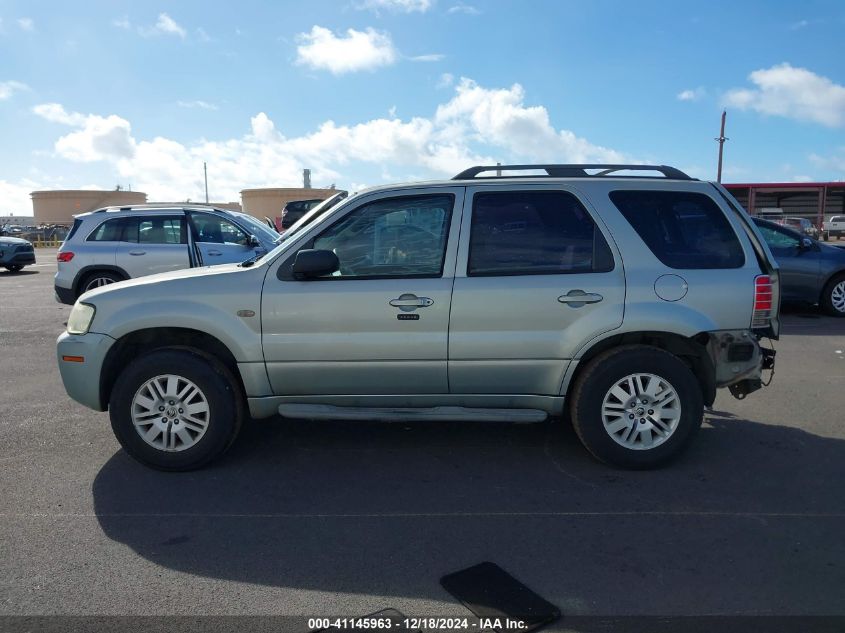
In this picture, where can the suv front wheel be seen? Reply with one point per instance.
(636, 406)
(174, 409)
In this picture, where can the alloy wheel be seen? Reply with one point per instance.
(837, 296)
(98, 282)
(170, 413)
(641, 411)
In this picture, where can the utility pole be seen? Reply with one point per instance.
(721, 140)
(205, 174)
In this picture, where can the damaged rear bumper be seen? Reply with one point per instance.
(739, 361)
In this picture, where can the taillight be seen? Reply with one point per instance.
(64, 257)
(762, 301)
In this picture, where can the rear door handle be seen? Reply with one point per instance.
(577, 298)
(137, 252)
(410, 301)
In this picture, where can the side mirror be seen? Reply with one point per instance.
(806, 244)
(252, 241)
(311, 263)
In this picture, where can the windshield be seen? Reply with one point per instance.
(262, 231)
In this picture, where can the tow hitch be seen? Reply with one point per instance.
(742, 388)
(768, 358)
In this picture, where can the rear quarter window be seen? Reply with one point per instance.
(684, 230)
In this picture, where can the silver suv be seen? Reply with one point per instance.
(117, 243)
(623, 301)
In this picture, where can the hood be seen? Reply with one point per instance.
(832, 252)
(197, 275)
(12, 241)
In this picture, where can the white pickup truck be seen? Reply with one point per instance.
(835, 227)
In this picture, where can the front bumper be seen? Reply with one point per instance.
(23, 258)
(81, 378)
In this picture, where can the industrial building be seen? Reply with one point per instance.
(816, 201)
(59, 206)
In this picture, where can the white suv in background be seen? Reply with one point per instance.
(117, 243)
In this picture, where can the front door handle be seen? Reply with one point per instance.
(137, 252)
(410, 301)
(577, 298)
(214, 253)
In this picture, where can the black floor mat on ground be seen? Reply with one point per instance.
(490, 592)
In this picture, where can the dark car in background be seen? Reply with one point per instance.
(810, 271)
(294, 210)
(15, 253)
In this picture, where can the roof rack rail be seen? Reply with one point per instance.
(570, 171)
(157, 206)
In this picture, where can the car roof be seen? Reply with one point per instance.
(555, 173)
(155, 209)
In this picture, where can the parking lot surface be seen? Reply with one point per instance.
(318, 519)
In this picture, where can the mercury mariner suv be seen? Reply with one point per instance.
(622, 296)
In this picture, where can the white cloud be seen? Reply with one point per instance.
(122, 23)
(464, 8)
(446, 80)
(26, 24)
(202, 35)
(9, 88)
(835, 162)
(800, 24)
(476, 125)
(14, 197)
(500, 118)
(397, 6)
(198, 103)
(691, 94)
(431, 57)
(357, 50)
(165, 25)
(97, 138)
(791, 92)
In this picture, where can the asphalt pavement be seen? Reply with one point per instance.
(312, 519)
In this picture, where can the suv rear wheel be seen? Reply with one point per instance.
(636, 406)
(174, 409)
(98, 279)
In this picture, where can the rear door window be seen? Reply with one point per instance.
(534, 233)
(156, 230)
(682, 229)
(110, 231)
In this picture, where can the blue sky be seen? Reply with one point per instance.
(95, 94)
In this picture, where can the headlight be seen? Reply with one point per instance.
(80, 318)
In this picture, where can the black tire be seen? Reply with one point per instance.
(602, 373)
(826, 300)
(112, 277)
(14, 268)
(218, 386)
